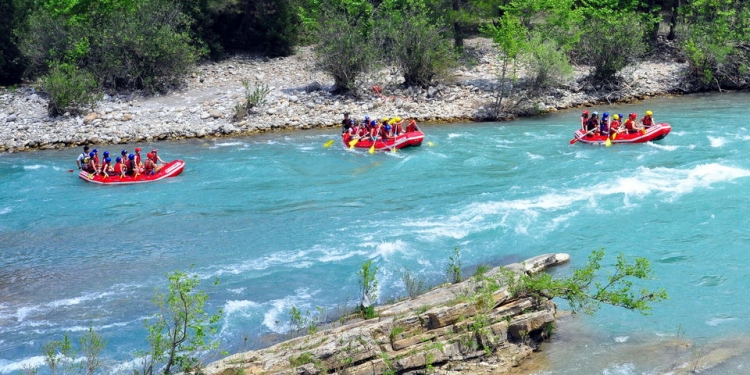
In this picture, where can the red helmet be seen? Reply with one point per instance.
(633, 116)
(585, 113)
(137, 149)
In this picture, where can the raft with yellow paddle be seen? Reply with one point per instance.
(652, 133)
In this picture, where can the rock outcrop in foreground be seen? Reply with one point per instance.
(469, 326)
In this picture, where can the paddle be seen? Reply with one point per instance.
(328, 144)
(372, 148)
(574, 140)
(353, 142)
(429, 143)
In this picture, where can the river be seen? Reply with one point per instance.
(283, 222)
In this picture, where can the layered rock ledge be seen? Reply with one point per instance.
(300, 98)
(451, 329)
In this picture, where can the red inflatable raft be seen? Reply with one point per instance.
(410, 139)
(171, 169)
(653, 133)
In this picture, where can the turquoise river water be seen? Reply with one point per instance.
(282, 221)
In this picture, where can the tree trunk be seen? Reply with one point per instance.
(458, 36)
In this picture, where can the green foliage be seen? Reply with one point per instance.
(585, 292)
(416, 45)
(305, 321)
(60, 357)
(346, 48)
(302, 359)
(611, 41)
(70, 90)
(180, 330)
(11, 66)
(547, 64)
(368, 284)
(454, 267)
(714, 40)
(146, 48)
(510, 37)
(415, 285)
(254, 98)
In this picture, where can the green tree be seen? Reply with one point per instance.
(416, 45)
(60, 356)
(510, 37)
(585, 290)
(70, 89)
(714, 39)
(180, 330)
(346, 48)
(611, 41)
(11, 66)
(368, 284)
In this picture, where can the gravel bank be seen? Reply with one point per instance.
(299, 99)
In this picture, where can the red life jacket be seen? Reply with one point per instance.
(647, 121)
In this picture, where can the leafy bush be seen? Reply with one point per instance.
(547, 64)
(345, 50)
(70, 89)
(146, 48)
(715, 41)
(610, 41)
(416, 45)
(179, 331)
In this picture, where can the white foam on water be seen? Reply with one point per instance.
(717, 141)
(8, 367)
(720, 319)
(33, 167)
(622, 339)
(385, 249)
(236, 290)
(232, 307)
(620, 369)
(5, 210)
(228, 144)
(276, 318)
(457, 135)
(663, 147)
(534, 156)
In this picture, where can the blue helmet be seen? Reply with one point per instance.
(595, 113)
(106, 153)
(108, 160)
(124, 152)
(605, 114)
(367, 117)
(95, 151)
(387, 127)
(373, 123)
(91, 154)
(119, 159)
(131, 156)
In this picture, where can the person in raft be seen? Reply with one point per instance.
(138, 160)
(631, 124)
(412, 127)
(592, 125)
(119, 168)
(584, 119)
(648, 120)
(346, 123)
(149, 166)
(157, 159)
(83, 159)
(132, 169)
(615, 126)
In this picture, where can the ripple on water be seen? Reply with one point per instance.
(710, 280)
(675, 257)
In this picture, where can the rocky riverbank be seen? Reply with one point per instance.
(472, 327)
(299, 98)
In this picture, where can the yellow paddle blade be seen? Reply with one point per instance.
(328, 144)
(394, 150)
(430, 143)
(614, 136)
(353, 142)
(608, 142)
(372, 148)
